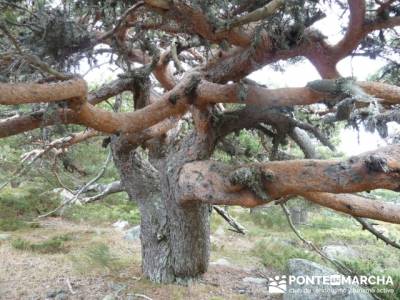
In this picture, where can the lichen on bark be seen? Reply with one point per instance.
(253, 179)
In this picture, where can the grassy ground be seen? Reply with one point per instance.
(83, 256)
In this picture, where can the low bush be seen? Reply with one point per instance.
(55, 244)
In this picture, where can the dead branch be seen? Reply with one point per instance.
(231, 221)
(33, 59)
(82, 189)
(367, 226)
(259, 14)
(341, 267)
(104, 190)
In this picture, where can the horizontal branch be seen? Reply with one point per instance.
(20, 124)
(261, 13)
(109, 90)
(21, 93)
(357, 206)
(254, 184)
(190, 90)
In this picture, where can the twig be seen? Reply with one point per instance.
(120, 21)
(33, 59)
(261, 13)
(141, 296)
(82, 189)
(70, 287)
(174, 56)
(339, 266)
(342, 268)
(367, 226)
(60, 182)
(36, 155)
(231, 221)
(113, 187)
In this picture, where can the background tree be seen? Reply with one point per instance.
(185, 64)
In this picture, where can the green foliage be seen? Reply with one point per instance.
(323, 221)
(12, 224)
(275, 253)
(97, 213)
(386, 195)
(250, 141)
(19, 206)
(377, 267)
(53, 245)
(97, 257)
(222, 156)
(242, 147)
(26, 201)
(272, 217)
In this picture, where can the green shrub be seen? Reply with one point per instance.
(370, 267)
(21, 244)
(276, 254)
(271, 217)
(97, 257)
(321, 221)
(25, 202)
(10, 224)
(98, 213)
(55, 244)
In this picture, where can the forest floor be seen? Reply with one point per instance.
(82, 256)
(95, 262)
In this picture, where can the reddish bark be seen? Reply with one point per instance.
(212, 182)
(357, 206)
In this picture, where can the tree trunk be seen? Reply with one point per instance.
(175, 239)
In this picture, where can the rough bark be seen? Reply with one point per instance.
(175, 238)
(142, 183)
(189, 225)
(254, 184)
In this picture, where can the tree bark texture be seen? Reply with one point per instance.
(175, 238)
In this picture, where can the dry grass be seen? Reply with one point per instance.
(100, 262)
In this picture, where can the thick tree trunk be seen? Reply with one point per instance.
(175, 239)
(189, 230)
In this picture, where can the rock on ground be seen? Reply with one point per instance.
(132, 234)
(120, 225)
(296, 291)
(221, 262)
(337, 251)
(255, 280)
(5, 236)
